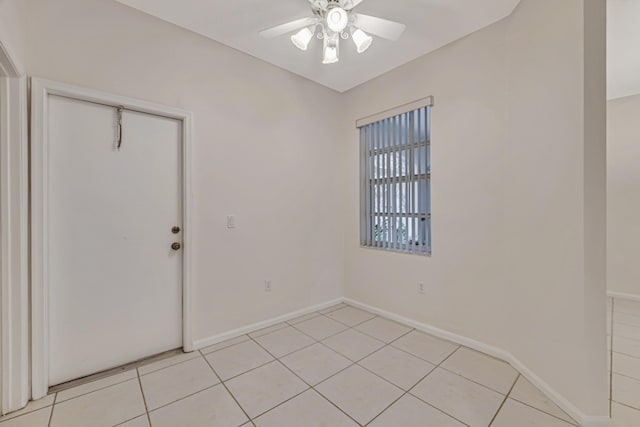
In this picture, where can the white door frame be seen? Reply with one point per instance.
(40, 91)
(14, 232)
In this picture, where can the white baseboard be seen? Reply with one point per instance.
(557, 398)
(205, 342)
(621, 295)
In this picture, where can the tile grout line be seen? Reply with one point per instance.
(56, 401)
(280, 404)
(439, 365)
(287, 324)
(321, 339)
(274, 358)
(306, 383)
(626, 323)
(385, 346)
(245, 372)
(633, 338)
(182, 398)
(316, 341)
(571, 423)
(371, 336)
(504, 400)
(31, 411)
(436, 366)
(335, 404)
(144, 399)
(627, 405)
(291, 352)
(53, 406)
(227, 389)
(388, 381)
(357, 324)
(409, 354)
(636, 341)
(337, 307)
(357, 362)
(635, 314)
(92, 391)
(309, 317)
(168, 366)
(474, 381)
(262, 333)
(169, 403)
(202, 350)
(353, 363)
(338, 321)
(625, 354)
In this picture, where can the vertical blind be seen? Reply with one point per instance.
(395, 170)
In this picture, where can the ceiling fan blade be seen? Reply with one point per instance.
(350, 4)
(380, 27)
(288, 27)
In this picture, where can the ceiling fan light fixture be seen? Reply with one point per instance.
(331, 49)
(337, 19)
(302, 38)
(361, 39)
(334, 21)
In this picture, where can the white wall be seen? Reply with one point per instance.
(510, 199)
(556, 202)
(12, 34)
(623, 195)
(264, 149)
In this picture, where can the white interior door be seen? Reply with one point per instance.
(115, 287)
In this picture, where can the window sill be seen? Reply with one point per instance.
(398, 251)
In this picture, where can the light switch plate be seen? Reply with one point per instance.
(231, 221)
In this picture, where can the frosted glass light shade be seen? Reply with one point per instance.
(302, 38)
(331, 47)
(337, 19)
(361, 39)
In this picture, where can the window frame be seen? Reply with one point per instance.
(391, 134)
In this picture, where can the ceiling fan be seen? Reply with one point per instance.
(336, 20)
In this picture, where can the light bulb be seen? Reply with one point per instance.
(302, 38)
(331, 46)
(337, 19)
(361, 39)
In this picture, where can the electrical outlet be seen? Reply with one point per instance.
(267, 285)
(421, 288)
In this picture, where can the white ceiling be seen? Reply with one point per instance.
(431, 24)
(623, 48)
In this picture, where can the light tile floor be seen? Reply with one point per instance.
(624, 343)
(341, 367)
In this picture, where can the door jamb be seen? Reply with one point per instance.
(40, 91)
(14, 231)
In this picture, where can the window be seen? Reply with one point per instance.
(395, 170)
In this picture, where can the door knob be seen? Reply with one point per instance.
(175, 246)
